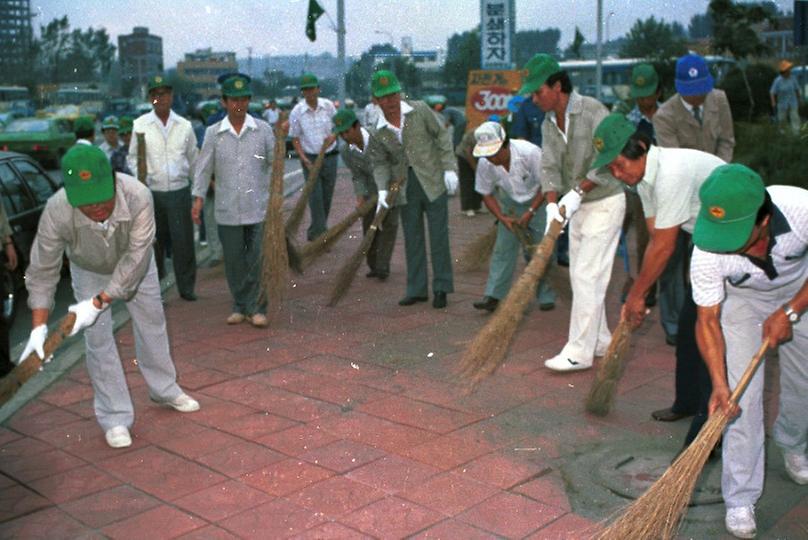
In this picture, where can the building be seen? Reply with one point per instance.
(203, 66)
(141, 56)
(15, 39)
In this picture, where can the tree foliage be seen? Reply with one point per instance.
(62, 55)
(530, 42)
(462, 56)
(654, 40)
(357, 80)
(733, 31)
(574, 50)
(700, 27)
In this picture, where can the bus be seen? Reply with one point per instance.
(14, 98)
(90, 100)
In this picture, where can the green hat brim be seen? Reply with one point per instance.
(244, 92)
(342, 129)
(387, 90)
(641, 92)
(605, 157)
(309, 85)
(721, 237)
(97, 192)
(124, 130)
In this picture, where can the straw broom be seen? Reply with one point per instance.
(658, 512)
(488, 349)
(30, 366)
(309, 252)
(601, 394)
(275, 258)
(294, 219)
(477, 253)
(346, 274)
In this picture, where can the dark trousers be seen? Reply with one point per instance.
(241, 249)
(412, 221)
(172, 217)
(381, 250)
(469, 199)
(321, 195)
(5, 346)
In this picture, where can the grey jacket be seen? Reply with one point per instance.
(361, 169)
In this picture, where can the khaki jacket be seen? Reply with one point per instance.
(426, 148)
(676, 127)
(361, 168)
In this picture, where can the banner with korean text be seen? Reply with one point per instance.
(488, 93)
(498, 25)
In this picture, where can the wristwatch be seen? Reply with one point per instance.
(793, 316)
(579, 190)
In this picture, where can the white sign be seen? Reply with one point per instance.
(497, 19)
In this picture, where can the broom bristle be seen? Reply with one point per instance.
(476, 254)
(295, 261)
(275, 271)
(296, 217)
(310, 251)
(601, 394)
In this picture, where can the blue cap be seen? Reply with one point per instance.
(515, 102)
(693, 78)
(494, 118)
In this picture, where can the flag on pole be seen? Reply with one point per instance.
(315, 11)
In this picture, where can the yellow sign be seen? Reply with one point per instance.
(489, 92)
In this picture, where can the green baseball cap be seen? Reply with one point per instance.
(235, 85)
(435, 99)
(730, 199)
(384, 83)
(644, 81)
(309, 80)
(158, 81)
(125, 125)
(344, 120)
(87, 175)
(610, 137)
(537, 70)
(110, 122)
(83, 123)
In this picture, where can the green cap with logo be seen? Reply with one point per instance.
(610, 137)
(644, 81)
(83, 124)
(125, 125)
(537, 70)
(110, 122)
(384, 83)
(236, 85)
(343, 120)
(309, 80)
(730, 199)
(87, 175)
(158, 81)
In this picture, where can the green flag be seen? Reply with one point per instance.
(315, 11)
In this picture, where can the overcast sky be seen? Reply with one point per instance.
(276, 27)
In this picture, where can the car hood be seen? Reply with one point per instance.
(25, 136)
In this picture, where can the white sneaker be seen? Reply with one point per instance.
(563, 363)
(236, 318)
(259, 320)
(797, 467)
(469, 213)
(183, 403)
(118, 437)
(740, 521)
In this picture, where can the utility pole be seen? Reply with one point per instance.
(599, 53)
(341, 50)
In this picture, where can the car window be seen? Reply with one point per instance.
(39, 184)
(20, 126)
(14, 191)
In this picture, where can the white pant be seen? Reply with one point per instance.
(113, 405)
(744, 463)
(594, 232)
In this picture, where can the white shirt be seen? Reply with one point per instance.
(170, 151)
(365, 140)
(521, 182)
(669, 189)
(552, 116)
(271, 116)
(382, 121)
(372, 112)
(108, 150)
(712, 273)
(249, 123)
(312, 126)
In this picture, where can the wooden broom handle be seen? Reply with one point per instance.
(749, 373)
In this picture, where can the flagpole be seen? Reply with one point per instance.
(341, 50)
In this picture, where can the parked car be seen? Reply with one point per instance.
(24, 189)
(44, 139)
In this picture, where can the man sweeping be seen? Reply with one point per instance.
(749, 273)
(105, 224)
(508, 178)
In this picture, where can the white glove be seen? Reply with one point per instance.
(451, 181)
(553, 213)
(382, 201)
(86, 314)
(36, 343)
(570, 202)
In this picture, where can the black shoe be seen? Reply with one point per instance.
(189, 297)
(668, 415)
(382, 275)
(487, 303)
(650, 299)
(563, 260)
(439, 302)
(410, 300)
(548, 306)
(670, 339)
(372, 273)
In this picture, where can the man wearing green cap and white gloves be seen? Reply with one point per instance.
(411, 143)
(750, 280)
(356, 156)
(105, 224)
(310, 128)
(238, 151)
(595, 210)
(668, 181)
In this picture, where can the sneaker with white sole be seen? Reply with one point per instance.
(183, 403)
(236, 318)
(797, 467)
(740, 521)
(259, 320)
(563, 363)
(118, 437)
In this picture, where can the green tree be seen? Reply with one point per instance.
(357, 80)
(654, 40)
(574, 50)
(462, 56)
(700, 27)
(65, 55)
(530, 42)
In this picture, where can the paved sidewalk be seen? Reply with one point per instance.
(347, 422)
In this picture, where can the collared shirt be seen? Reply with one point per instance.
(552, 117)
(358, 161)
(382, 121)
(271, 116)
(712, 273)
(170, 151)
(312, 126)
(109, 150)
(371, 114)
(785, 90)
(242, 165)
(669, 190)
(121, 249)
(523, 179)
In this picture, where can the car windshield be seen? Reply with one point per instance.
(19, 126)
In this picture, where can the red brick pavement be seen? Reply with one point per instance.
(338, 422)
